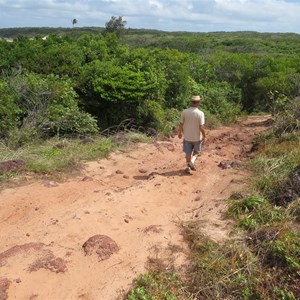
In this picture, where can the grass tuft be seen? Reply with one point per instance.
(56, 156)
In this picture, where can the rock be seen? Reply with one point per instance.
(61, 145)
(152, 175)
(87, 178)
(126, 176)
(4, 285)
(153, 229)
(46, 259)
(86, 140)
(49, 262)
(143, 171)
(151, 132)
(228, 164)
(120, 138)
(11, 165)
(19, 249)
(50, 184)
(119, 172)
(101, 245)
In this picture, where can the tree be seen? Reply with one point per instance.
(115, 25)
(74, 22)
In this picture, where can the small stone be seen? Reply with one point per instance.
(119, 172)
(50, 184)
(87, 178)
(61, 145)
(87, 140)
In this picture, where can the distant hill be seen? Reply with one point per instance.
(283, 44)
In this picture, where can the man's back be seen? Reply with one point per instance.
(192, 118)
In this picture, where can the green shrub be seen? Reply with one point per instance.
(158, 285)
(9, 110)
(222, 100)
(276, 161)
(151, 113)
(285, 250)
(254, 211)
(46, 105)
(246, 205)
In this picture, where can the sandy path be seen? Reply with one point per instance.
(135, 198)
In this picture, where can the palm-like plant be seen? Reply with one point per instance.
(74, 22)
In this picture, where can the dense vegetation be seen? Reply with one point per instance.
(82, 80)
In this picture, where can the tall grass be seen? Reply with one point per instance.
(277, 159)
(60, 156)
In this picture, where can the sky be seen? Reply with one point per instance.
(166, 15)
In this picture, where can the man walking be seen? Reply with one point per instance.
(192, 127)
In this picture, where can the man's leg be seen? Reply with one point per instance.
(196, 152)
(188, 158)
(188, 149)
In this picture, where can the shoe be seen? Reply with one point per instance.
(188, 170)
(192, 166)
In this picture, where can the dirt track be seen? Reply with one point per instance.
(134, 198)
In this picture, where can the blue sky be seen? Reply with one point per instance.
(168, 15)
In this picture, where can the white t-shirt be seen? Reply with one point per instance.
(192, 118)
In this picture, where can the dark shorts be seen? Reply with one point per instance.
(189, 147)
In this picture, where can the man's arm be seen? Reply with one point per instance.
(202, 129)
(180, 129)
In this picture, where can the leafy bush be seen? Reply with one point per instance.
(221, 100)
(151, 113)
(46, 105)
(9, 110)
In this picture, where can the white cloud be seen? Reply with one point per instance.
(171, 15)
